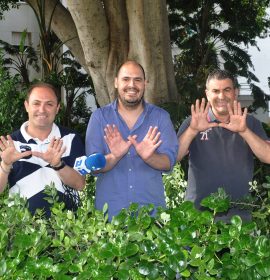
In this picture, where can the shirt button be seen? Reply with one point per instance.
(129, 169)
(128, 153)
(130, 187)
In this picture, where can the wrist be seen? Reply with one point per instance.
(58, 166)
(6, 168)
(193, 131)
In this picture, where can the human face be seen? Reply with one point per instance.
(130, 84)
(42, 108)
(220, 93)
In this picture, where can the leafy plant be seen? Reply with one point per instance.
(11, 101)
(178, 242)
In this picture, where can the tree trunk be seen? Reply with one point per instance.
(111, 31)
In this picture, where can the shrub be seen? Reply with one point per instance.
(84, 245)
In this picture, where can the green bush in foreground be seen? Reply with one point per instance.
(179, 242)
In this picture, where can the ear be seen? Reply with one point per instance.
(115, 82)
(26, 105)
(58, 108)
(206, 94)
(236, 92)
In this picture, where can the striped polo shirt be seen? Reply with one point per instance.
(30, 175)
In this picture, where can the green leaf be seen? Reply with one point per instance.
(3, 267)
(263, 267)
(122, 274)
(251, 259)
(130, 250)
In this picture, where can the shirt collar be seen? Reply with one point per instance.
(115, 105)
(211, 117)
(55, 132)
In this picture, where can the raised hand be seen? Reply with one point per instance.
(117, 145)
(54, 152)
(199, 121)
(148, 145)
(237, 118)
(8, 152)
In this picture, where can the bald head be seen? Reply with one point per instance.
(130, 62)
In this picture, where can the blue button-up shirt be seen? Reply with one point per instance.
(131, 180)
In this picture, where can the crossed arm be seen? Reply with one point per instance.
(146, 149)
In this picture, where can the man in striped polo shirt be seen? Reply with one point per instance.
(41, 153)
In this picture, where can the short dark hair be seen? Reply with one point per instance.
(43, 85)
(220, 74)
(132, 62)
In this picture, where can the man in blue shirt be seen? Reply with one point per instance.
(139, 142)
(221, 141)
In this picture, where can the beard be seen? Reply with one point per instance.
(131, 102)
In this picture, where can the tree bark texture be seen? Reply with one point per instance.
(104, 34)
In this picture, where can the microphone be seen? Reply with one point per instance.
(94, 162)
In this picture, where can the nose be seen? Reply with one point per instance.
(221, 94)
(42, 108)
(131, 83)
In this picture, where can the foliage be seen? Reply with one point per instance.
(211, 34)
(50, 45)
(261, 204)
(11, 101)
(175, 186)
(178, 242)
(20, 58)
(5, 5)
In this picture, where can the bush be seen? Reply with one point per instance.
(83, 245)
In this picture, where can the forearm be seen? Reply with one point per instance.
(72, 178)
(4, 172)
(259, 146)
(111, 161)
(184, 142)
(3, 181)
(159, 162)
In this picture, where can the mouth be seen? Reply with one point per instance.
(42, 117)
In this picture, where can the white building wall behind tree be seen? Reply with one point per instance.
(15, 22)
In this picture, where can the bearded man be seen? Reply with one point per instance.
(139, 142)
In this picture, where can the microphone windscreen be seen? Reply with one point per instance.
(95, 161)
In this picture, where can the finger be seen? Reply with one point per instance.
(109, 128)
(149, 132)
(52, 142)
(192, 110)
(202, 107)
(156, 137)
(153, 133)
(23, 154)
(4, 141)
(158, 144)
(62, 151)
(133, 141)
(58, 144)
(197, 106)
(37, 154)
(245, 113)
(230, 109)
(235, 108)
(239, 108)
(10, 141)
